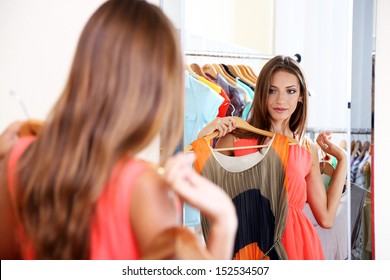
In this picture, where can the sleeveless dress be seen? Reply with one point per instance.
(111, 234)
(256, 183)
(300, 239)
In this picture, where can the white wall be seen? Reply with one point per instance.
(37, 43)
(231, 26)
(321, 32)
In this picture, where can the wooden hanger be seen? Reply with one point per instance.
(242, 124)
(326, 168)
(209, 69)
(251, 71)
(223, 73)
(30, 127)
(191, 72)
(198, 70)
(246, 73)
(236, 71)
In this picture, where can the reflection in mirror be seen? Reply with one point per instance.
(219, 38)
(361, 122)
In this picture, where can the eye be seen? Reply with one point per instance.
(272, 90)
(291, 91)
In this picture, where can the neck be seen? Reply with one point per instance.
(282, 129)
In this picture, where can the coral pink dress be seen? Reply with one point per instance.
(111, 235)
(300, 238)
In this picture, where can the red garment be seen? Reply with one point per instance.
(111, 234)
(226, 103)
(300, 238)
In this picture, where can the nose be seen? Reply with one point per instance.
(280, 98)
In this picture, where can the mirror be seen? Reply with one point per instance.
(363, 62)
(323, 33)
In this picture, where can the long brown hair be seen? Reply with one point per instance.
(258, 113)
(125, 87)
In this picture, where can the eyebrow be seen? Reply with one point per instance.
(286, 87)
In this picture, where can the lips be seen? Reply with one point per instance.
(280, 110)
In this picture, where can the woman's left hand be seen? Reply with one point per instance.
(323, 140)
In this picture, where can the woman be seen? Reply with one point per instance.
(77, 190)
(280, 106)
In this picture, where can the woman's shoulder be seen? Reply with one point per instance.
(144, 173)
(136, 168)
(307, 144)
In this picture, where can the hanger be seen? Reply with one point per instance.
(236, 72)
(209, 69)
(326, 168)
(30, 127)
(196, 68)
(223, 73)
(246, 74)
(243, 124)
(191, 72)
(251, 71)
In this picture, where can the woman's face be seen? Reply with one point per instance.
(283, 96)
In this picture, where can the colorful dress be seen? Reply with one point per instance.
(256, 183)
(300, 238)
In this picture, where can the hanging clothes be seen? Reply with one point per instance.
(201, 107)
(218, 89)
(256, 183)
(334, 240)
(236, 96)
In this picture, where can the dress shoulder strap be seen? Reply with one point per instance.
(16, 153)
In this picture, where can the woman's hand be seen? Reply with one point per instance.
(210, 199)
(222, 125)
(323, 140)
(197, 190)
(9, 137)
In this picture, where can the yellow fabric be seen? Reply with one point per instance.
(213, 86)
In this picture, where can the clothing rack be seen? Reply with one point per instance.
(234, 55)
(333, 130)
(362, 131)
(312, 131)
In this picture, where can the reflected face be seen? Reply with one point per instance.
(283, 96)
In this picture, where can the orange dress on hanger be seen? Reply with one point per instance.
(257, 187)
(300, 238)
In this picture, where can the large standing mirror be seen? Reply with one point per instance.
(333, 40)
(363, 66)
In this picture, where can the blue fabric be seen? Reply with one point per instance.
(245, 113)
(247, 88)
(191, 216)
(201, 107)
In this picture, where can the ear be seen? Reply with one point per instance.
(300, 99)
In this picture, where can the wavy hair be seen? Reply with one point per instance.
(258, 113)
(125, 87)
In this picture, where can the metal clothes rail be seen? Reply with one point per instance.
(234, 55)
